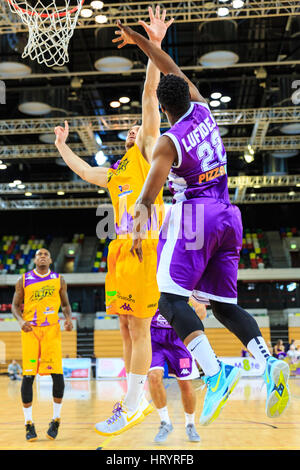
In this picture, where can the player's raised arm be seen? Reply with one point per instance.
(149, 131)
(94, 175)
(160, 58)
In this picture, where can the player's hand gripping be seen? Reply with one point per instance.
(61, 133)
(156, 30)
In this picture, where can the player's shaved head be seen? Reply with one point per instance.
(42, 258)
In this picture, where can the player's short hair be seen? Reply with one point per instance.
(173, 94)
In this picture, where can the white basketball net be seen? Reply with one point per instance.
(49, 33)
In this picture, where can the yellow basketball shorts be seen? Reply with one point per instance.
(131, 286)
(41, 350)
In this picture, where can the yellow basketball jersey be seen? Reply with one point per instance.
(41, 298)
(125, 184)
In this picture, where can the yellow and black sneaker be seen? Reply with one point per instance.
(53, 429)
(30, 432)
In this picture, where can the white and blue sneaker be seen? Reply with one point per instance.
(121, 420)
(276, 378)
(219, 387)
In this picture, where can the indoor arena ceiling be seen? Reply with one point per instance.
(261, 41)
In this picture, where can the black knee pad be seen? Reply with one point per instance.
(26, 388)
(179, 314)
(58, 385)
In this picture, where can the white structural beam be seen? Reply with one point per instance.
(182, 11)
(232, 144)
(234, 182)
(125, 121)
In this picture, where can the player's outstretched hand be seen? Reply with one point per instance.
(125, 34)
(157, 28)
(61, 133)
(68, 325)
(136, 248)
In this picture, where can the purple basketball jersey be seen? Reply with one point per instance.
(201, 169)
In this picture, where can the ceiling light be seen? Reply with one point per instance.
(256, 186)
(47, 138)
(124, 99)
(216, 95)
(113, 64)
(21, 186)
(238, 3)
(253, 194)
(28, 194)
(101, 19)
(9, 69)
(60, 193)
(123, 135)
(225, 99)
(298, 185)
(285, 153)
(291, 129)
(223, 11)
(100, 158)
(97, 4)
(86, 13)
(248, 157)
(214, 103)
(115, 104)
(11, 185)
(292, 193)
(34, 108)
(223, 131)
(101, 191)
(16, 182)
(126, 108)
(3, 166)
(219, 59)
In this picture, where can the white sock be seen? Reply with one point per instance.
(164, 414)
(202, 351)
(189, 418)
(27, 414)
(136, 383)
(56, 410)
(258, 348)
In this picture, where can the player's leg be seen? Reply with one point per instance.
(30, 358)
(159, 397)
(180, 268)
(188, 398)
(51, 364)
(126, 342)
(223, 299)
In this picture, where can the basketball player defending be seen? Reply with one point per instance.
(167, 347)
(42, 292)
(131, 286)
(201, 237)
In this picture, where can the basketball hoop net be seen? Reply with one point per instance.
(50, 28)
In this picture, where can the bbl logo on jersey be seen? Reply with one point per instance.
(46, 291)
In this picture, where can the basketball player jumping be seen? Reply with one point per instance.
(131, 286)
(42, 291)
(201, 237)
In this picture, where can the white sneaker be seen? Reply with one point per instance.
(121, 420)
(146, 407)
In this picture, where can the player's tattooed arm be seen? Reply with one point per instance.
(93, 175)
(160, 58)
(16, 306)
(65, 304)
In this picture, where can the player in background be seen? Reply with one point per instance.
(131, 286)
(42, 292)
(202, 261)
(167, 347)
